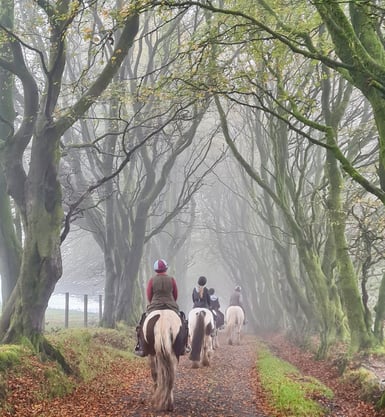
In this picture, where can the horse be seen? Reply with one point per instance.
(201, 327)
(234, 322)
(163, 344)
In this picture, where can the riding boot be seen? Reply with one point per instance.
(139, 351)
(139, 345)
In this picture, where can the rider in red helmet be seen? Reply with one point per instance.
(162, 293)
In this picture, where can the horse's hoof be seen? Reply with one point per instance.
(195, 365)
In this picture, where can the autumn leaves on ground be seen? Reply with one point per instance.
(109, 381)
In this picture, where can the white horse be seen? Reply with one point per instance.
(234, 322)
(201, 326)
(163, 343)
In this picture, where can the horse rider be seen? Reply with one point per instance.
(200, 294)
(236, 299)
(215, 306)
(162, 293)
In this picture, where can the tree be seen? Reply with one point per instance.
(155, 189)
(343, 39)
(36, 190)
(9, 243)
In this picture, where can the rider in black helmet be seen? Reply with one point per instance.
(200, 294)
(215, 306)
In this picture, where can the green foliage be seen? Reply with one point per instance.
(89, 351)
(58, 384)
(289, 392)
(10, 356)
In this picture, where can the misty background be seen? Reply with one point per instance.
(230, 145)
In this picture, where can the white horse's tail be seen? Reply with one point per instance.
(198, 336)
(162, 329)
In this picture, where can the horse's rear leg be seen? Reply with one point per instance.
(207, 351)
(230, 335)
(206, 359)
(239, 335)
(153, 368)
(195, 364)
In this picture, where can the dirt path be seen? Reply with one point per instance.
(228, 388)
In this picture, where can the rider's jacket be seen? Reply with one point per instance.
(162, 293)
(236, 299)
(201, 297)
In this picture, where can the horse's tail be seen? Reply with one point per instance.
(165, 333)
(198, 336)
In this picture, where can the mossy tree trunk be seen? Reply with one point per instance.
(380, 312)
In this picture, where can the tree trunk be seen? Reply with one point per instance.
(380, 312)
(41, 267)
(347, 279)
(10, 249)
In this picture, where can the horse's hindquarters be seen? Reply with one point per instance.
(234, 323)
(161, 329)
(201, 326)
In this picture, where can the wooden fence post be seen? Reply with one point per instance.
(85, 310)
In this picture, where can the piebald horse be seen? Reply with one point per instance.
(163, 343)
(201, 326)
(234, 322)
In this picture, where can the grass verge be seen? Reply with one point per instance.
(26, 380)
(290, 393)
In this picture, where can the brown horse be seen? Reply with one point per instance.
(163, 343)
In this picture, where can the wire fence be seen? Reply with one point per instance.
(74, 313)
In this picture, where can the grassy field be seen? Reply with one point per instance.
(55, 319)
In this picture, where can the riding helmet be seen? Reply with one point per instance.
(160, 265)
(202, 281)
(211, 291)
